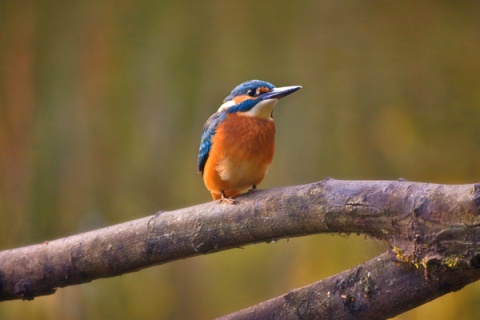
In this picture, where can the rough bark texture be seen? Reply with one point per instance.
(426, 225)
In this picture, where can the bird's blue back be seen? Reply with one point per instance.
(206, 141)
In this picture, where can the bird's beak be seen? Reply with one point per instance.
(278, 93)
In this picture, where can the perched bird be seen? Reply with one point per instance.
(237, 142)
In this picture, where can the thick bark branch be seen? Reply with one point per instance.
(425, 224)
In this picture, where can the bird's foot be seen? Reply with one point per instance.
(227, 199)
(253, 189)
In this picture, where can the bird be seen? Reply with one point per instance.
(238, 141)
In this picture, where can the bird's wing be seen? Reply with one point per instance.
(206, 141)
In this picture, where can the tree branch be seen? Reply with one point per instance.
(425, 224)
(378, 289)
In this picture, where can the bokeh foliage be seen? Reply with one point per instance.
(102, 105)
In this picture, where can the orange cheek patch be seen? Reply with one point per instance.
(239, 99)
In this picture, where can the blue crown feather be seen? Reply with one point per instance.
(243, 88)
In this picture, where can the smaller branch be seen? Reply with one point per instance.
(378, 289)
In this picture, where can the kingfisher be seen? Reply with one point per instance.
(238, 141)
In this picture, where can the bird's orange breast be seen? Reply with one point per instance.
(242, 151)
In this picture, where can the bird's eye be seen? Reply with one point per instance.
(251, 92)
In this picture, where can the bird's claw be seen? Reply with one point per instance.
(227, 199)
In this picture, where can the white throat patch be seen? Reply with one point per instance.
(263, 109)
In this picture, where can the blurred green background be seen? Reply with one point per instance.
(102, 106)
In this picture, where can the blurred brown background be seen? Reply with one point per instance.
(102, 106)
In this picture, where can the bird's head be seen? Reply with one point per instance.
(255, 98)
